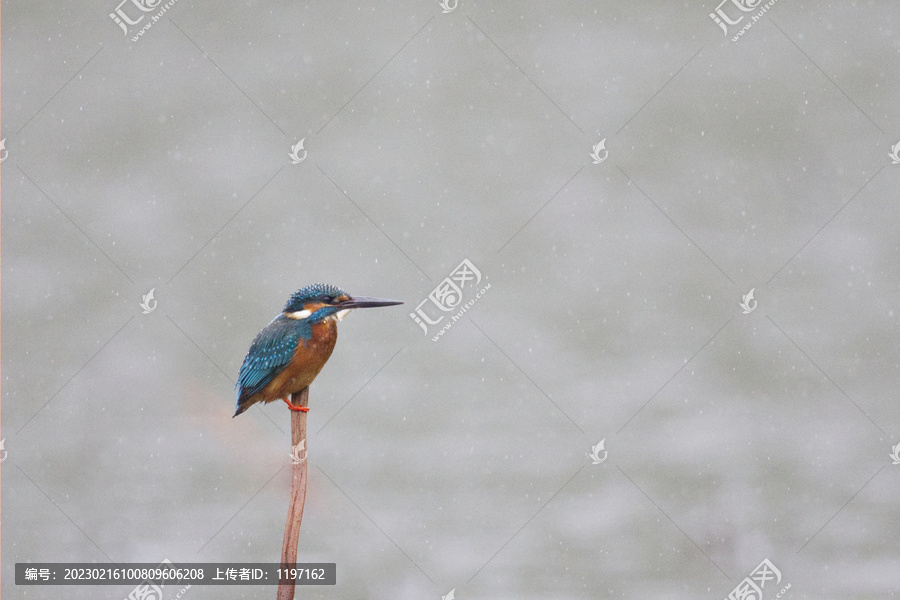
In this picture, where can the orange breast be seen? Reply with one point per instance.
(309, 358)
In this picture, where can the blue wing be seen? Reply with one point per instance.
(271, 350)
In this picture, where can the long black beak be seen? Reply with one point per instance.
(363, 302)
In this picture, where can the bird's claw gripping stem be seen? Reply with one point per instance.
(295, 407)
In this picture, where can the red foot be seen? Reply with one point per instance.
(295, 407)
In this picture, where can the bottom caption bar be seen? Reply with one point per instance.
(168, 573)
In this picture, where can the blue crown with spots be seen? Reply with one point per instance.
(322, 292)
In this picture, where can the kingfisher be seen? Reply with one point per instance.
(290, 351)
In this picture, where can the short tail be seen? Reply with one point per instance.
(241, 405)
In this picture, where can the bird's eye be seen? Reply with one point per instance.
(328, 299)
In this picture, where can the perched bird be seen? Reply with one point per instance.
(290, 351)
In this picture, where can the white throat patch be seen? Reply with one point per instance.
(302, 314)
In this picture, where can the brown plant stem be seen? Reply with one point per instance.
(298, 493)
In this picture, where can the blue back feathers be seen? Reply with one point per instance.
(270, 351)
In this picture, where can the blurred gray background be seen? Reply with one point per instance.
(614, 312)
